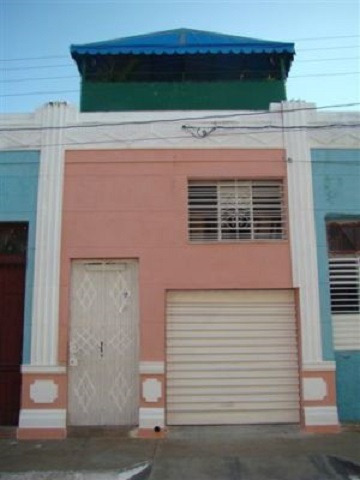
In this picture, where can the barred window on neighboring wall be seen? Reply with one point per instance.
(344, 266)
(235, 210)
(13, 238)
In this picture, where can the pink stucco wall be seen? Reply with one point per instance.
(132, 204)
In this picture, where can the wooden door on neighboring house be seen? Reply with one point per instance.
(103, 351)
(13, 238)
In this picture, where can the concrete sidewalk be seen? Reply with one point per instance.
(204, 453)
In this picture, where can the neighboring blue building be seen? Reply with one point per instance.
(18, 203)
(336, 187)
(19, 172)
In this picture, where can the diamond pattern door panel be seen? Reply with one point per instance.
(103, 356)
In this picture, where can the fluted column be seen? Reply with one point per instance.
(302, 226)
(45, 314)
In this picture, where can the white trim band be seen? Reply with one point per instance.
(42, 418)
(319, 367)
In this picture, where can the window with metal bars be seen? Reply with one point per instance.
(235, 210)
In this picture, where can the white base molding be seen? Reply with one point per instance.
(43, 369)
(151, 417)
(42, 418)
(321, 416)
(326, 366)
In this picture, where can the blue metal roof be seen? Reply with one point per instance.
(182, 41)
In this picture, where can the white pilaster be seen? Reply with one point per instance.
(302, 226)
(44, 331)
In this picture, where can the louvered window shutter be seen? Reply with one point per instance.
(345, 284)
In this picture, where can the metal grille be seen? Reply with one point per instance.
(236, 210)
(103, 363)
(345, 284)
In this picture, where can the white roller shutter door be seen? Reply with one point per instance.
(232, 357)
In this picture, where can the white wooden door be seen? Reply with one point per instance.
(103, 350)
(232, 358)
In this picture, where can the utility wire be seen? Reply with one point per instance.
(49, 57)
(323, 38)
(183, 119)
(25, 94)
(60, 56)
(253, 129)
(16, 80)
(46, 92)
(13, 69)
(183, 137)
(334, 74)
(326, 48)
(21, 80)
(331, 59)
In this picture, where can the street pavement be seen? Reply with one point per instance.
(189, 453)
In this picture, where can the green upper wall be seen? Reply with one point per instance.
(242, 95)
(182, 69)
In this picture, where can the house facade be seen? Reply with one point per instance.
(177, 262)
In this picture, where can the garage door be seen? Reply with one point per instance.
(231, 358)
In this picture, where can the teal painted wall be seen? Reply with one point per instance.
(253, 95)
(336, 186)
(348, 385)
(19, 171)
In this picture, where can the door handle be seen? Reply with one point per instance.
(101, 349)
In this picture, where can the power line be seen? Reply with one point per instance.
(13, 69)
(324, 38)
(16, 80)
(331, 59)
(326, 48)
(184, 119)
(336, 74)
(49, 57)
(276, 127)
(25, 59)
(25, 94)
(22, 94)
(73, 65)
(182, 137)
(63, 77)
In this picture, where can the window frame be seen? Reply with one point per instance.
(344, 266)
(236, 210)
